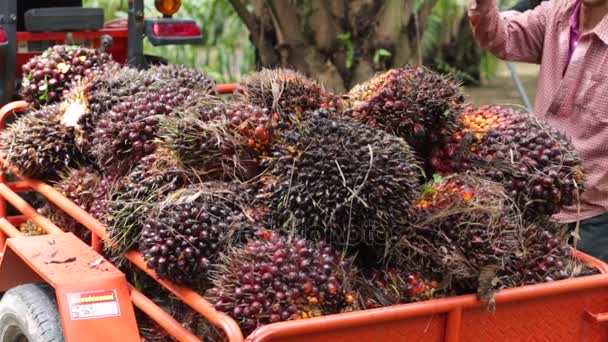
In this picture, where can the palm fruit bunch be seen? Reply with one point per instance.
(87, 188)
(191, 320)
(183, 76)
(127, 132)
(465, 225)
(98, 93)
(185, 234)
(542, 257)
(277, 278)
(339, 180)
(134, 194)
(391, 286)
(29, 228)
(286, 93)
(536, 163)
(220, 140)
(412, 102)
(48, 77)
(39, 145)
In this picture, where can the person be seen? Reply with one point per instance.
(524, 5)
(569, 39)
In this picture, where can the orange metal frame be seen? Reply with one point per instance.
(436, 320)
(18, 264)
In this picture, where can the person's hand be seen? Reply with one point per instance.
(474, 4)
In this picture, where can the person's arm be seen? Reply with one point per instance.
(510, 35)
(525, 5)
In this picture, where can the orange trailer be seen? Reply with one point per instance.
(58, 288)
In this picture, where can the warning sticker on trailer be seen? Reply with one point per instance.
(98, 304)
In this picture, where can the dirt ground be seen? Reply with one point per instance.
(501, 89)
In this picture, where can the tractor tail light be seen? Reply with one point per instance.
(3, 36)
(176, 30)
(166, 31)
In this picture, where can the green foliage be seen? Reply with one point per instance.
(380, 53)
(348, 46)
(226, 53)
(489, 65)
(442, 25)
(113, 9)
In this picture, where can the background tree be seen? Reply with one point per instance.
(340, 42)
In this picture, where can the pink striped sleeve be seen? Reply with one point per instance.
(511, 35)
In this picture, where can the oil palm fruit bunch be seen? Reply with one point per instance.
(219, 140)
(183, 76)
(127, 132)
(98, 93)
(276, 278)
(186, 233)
(537, 164)
(339, 180)
(134, 194)
(464, 226)
(39, 145)
(286, 93)
(542, 257)
(49, 76)
(99, 207)
(29, 228)
(414, 103)
(390, 286)
(191, 320)
(87, 188)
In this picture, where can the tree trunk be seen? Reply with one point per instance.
(338, 42)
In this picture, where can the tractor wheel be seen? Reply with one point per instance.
(28, 313)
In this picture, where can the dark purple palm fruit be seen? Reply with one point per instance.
(48, 77)
(183, 76)
(412, 102)
(83, 187)
(98, 93)
(465, 226)
(39, 145)
(286, 93)
(392, 285)
(99, 207)
(542, 257)
(340, 180)
(150, 331)
(127, 132)
(219, 140)
(185, 234)
(134, 194)
(537, 164)
(86, 187)
(275, 278)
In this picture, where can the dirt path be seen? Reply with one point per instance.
(501, 89)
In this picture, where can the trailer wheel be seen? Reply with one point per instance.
(28, 313)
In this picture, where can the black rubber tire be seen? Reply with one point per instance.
(28, 313)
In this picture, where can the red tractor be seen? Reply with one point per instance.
(28, 27)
